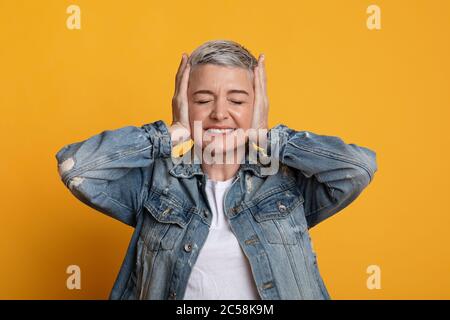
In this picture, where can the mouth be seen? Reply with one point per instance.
(219, 131)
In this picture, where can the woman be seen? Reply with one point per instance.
(209, 228)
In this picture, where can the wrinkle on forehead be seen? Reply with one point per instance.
(220, 79)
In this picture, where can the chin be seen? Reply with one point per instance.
(221, 152)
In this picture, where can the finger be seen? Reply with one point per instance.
(258, 99)
(180, 71)
(257, 86)
(263, 80)
(263, 90)
(263, 73)
(184, 82)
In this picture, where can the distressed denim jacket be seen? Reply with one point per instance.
(129, 174)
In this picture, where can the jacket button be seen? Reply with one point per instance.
(167, 211)
(188, 247)
(267, 285)
(172, 295)
(281, 207)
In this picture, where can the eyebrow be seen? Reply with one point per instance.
(229, 91)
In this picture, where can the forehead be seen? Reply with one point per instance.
(210, 75)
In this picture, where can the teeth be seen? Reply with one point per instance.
(219, 131)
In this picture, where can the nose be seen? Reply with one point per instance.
(220, 110)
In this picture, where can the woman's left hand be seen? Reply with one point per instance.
(261, 104)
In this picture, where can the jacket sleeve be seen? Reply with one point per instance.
(111, 171)
(330, 173)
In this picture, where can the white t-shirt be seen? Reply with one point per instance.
(222, 271)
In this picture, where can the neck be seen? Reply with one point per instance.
(220, 172)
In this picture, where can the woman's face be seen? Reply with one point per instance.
(221, 98)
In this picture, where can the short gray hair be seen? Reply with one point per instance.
(224, 53)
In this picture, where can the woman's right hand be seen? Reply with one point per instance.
(180, 129)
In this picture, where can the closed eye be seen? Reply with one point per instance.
(206, 101)
(203, 102)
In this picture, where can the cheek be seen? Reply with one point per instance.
(197, 113)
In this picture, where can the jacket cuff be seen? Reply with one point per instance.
(159, 136)
(277, 138)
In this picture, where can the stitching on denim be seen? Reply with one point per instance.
(319, 209)
(334, 156)
(170, 197)
(284, 187)
(293, 264)
(94, 164)
(252, 222)
(117, 201)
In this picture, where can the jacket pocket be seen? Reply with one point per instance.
(164, 221)
(274, 214)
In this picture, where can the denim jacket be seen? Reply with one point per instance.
(129, 174)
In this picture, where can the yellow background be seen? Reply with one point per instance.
(386, 89)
